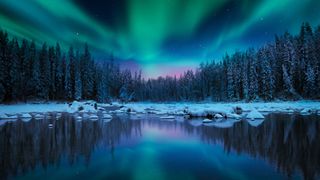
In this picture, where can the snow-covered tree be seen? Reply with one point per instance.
(253, 76)
(77, 79)
(311, 82)
(67, 74)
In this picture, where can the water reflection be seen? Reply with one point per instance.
(290, 143)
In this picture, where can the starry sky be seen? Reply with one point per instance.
(160, 37)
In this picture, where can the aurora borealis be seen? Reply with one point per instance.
(161, 37)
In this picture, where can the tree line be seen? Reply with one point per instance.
(288, 68)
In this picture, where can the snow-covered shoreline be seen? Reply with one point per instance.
(173, 108)
(285, 106)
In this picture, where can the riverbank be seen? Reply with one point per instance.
(303, 107)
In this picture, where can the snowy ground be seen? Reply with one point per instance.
(166, 110)
(199, 109)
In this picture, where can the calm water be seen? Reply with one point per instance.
(282, 147)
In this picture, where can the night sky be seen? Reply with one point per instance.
(161, 37)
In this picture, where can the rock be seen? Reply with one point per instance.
(254, 114)
(207, 121)
(237, 110)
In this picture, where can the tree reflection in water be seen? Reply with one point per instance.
(288, 142)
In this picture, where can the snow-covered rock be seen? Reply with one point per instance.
(237, 110)
(254, 114)
(207, 121)
(218, 116)
(87, 106)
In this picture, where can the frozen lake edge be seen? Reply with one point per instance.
(175, 108)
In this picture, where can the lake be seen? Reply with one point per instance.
(283, 146)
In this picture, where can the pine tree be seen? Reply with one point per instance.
(267, 76)
(59, 72)
(253, 76)
(67, 75)
(311, 82)
(25, 69)
(102, 90)
(288, 83)
(45, 72)
(230, 83)
(77, 79)
(15, 74)
(34, 83)
(87, 74)
(5, 67)
(52, 75)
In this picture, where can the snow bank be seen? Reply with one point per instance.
(221, 110)
(29, 108)
(207, 110)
